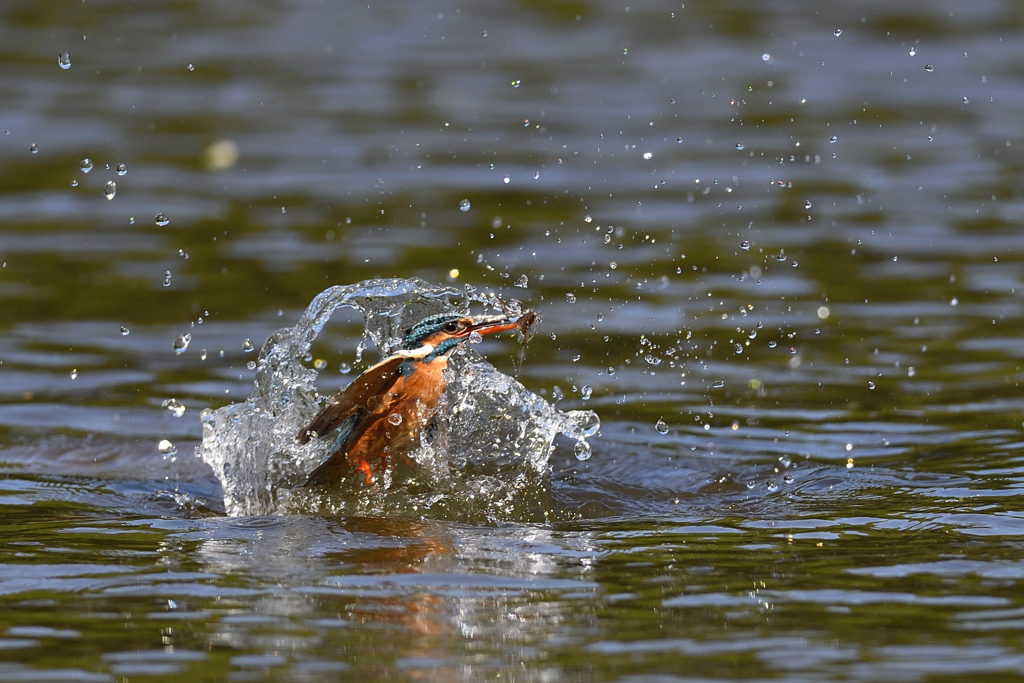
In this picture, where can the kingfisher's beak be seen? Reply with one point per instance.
(489, 324)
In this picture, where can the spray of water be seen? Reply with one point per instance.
(485, 459)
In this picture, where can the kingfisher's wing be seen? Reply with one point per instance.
(354, 401)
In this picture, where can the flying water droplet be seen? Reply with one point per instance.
(464, 205)
(745, 245)
(167, 279)
(86, 165)
(718, 384)
(523, 282)
(32, 149)
(247, 346)
(161, 220)
(74, 373)
(110, 189)
(395, 419)
(181, 343)
(807, 204)
(739, 145)
(661, 426)
(833, 139)
(122, 169)
(871, 385)
(475, 337)
(125, 331)
(913, 51)
(173, 406)
(582, 450)
(166, 449)
(586, 391)
(74, 183)
(344, 368)
(570, 297)
(838, 32)
(191, 67)
(929, 68)
(64, 60)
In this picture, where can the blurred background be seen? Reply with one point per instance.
(774, 245)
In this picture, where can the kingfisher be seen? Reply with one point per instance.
(381, 414)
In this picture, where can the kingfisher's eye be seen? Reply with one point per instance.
(452, 326)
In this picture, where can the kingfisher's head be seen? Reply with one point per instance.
(438, 335)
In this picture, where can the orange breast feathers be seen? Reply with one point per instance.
(397, 417)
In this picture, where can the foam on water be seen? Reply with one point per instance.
(486, 460)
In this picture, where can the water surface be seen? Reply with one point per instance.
(776, 245)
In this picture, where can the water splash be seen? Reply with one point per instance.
(485, 460)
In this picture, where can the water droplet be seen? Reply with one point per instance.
(556, 393)
(33, 149)
(125, 331)
(110, 189)
(74, 373)
(395, 419)
(251, 365)
(475, 337)
(464, 205)
(610, 370)
(739, 348)
(344, 368)
(191, 67)
(202, 354)
(536, 175)
(607, 239)
(523, 282)
(247, 346)
(613, 265)
(161, 220)
(582, 450)
(516, 83)
(570, 297)
(838, 32)
(718, 384)
(86, 165)
(739, 145)
(765, 57)
(167, 278)
(74, 183)
(587, 219)
(772, 344)
(966, 101)
(661, 426)
(652, 360)
(911, 371)
(586, 391)
(122, 169)
(166, 448)
(64, 60)
(913, 51)
(954, 301)
(871, 385)
(173, 406)
(506, 180)
(319, 364)
(833, 139)
(929, 68)
(745, 245)
(807, 204)
(181, 343)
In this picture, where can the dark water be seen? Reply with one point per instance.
(785, 262)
